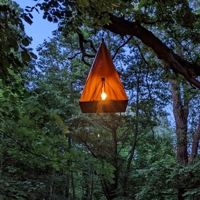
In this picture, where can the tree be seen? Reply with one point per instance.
(14, 42)
(114, 140)
(181, 108)
(109, 141)
(158, 24)
(103, 156)
(58, 82)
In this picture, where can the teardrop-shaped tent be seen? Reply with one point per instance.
(103, 74)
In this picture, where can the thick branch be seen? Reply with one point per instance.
(175, 62)
(82, 40)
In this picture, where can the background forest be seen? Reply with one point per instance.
(49, 150)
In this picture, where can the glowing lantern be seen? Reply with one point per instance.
(103, 94)
(103, 91)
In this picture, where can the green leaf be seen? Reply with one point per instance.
(6, 94)
(49, 18)
(12, 97)
(58, 120)
(13, 43)
(6, 63)
(25, 56)
(27, 19)
(6, 48)
(33, 55)
(25, 42)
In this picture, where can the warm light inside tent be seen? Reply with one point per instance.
(103, 94)
(103, 91)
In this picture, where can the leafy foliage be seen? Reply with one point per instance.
(14, 54)
(50, 150)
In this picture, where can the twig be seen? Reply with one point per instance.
(122, 46)
(87, 146)
(70, 58)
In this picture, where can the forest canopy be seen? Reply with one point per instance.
(50, 150)
(167, 27)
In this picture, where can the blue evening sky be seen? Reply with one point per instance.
(40, 29)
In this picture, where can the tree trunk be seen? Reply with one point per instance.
(73, 187)
(67, 186)
(181, 191)
(71, 175)
(111, 189)
(92, 186)
(132, 151)
(180, 111)
(114, 186)
(195, 144)
(85, 186)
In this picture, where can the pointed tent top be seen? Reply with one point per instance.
(103, 69)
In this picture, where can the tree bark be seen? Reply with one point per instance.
(110, 189)
(73, 186)
(132, 151)
(85, 186)
(114, 186)
(180, 111)
(195, 144)
(181, 191)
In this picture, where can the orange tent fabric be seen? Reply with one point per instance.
(103, 69)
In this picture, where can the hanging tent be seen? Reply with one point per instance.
(103, 78)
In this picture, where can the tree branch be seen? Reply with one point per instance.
(44, 157)
(87, 146)
(176, 63)
(82, 40)
(74, 56)
(126, 42)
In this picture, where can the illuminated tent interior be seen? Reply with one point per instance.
(103, 91)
